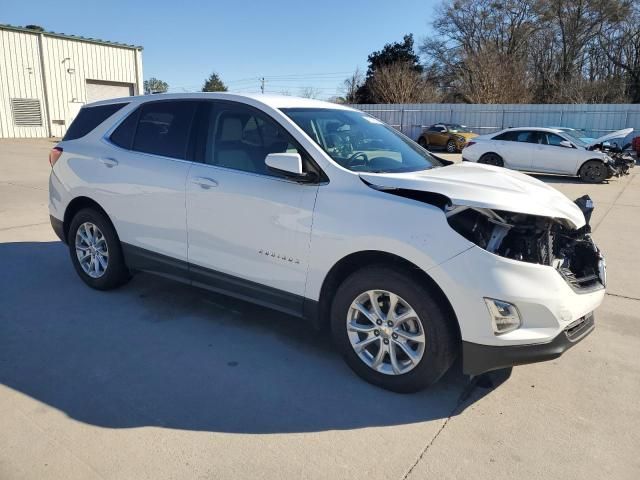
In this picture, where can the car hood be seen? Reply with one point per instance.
(610, 136)
(484, 186)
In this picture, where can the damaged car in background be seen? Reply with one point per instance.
(549, 150)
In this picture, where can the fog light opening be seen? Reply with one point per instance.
(504, 316)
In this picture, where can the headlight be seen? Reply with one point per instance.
(461, 139)
(504, 316)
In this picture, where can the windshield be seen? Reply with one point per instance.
(459, 129)
(360, 142)
(576, 140)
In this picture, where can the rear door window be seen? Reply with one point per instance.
(89, 118)
(163, 128)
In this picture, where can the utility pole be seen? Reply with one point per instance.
(262, 84)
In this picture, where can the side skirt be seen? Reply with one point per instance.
(145, 260)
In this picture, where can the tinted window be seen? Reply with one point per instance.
(240, 138)
(163, 128)
(123, 135)
(89, 118)
(507, 136)
(517, 136)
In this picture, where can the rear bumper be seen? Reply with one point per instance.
(58, 228)
(477, 358)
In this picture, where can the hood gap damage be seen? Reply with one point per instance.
(524, 237)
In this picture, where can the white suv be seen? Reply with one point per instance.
(325, 213)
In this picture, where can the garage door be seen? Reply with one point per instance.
(97, 90)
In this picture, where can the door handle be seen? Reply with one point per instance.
(205, 182)
(109, 162)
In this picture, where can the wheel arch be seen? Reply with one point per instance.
(583, 162)
(491, 152)
(75, 206)
(354, 261)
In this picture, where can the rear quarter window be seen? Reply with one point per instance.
(89, 118)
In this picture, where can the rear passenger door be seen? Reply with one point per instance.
(249, 229)
(143, 178)
(517, 149)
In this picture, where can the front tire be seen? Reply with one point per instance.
(593, 171)
(451, 147)
(95, 250)
(391, 330)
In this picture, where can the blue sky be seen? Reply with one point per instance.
(304, 43)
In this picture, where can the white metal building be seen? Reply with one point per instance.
(46, 77)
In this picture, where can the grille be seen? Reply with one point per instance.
(26, 112)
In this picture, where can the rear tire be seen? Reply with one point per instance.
(95, 250)
(593, 171)
(423, 142)
(492, 159)
(413, 365)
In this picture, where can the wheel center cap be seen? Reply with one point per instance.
(385, 331)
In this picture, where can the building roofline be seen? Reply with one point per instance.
(69, 37)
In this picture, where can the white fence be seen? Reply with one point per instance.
(596, 119)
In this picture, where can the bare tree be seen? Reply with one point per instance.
(480, 49)
(401, 83)
(351, 86)
(310, 92)
(510, 51)
(620, 42)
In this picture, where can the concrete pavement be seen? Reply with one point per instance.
(158, 380)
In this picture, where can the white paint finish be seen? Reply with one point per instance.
(63, 65)
(485, 186)
(252, 226)
(238, 214)
(545, 301)
(143, 194)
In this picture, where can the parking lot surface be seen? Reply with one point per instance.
(158, 380)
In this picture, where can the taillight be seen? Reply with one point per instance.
(469, 144)
(54, 155)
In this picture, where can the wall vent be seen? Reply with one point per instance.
(26, 112)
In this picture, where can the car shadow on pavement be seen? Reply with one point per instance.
(159, 353)
(551, 178)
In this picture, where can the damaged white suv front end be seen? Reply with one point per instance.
(527, 288)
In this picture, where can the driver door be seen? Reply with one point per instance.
(248, 229)
(550, 156)
(439, 136)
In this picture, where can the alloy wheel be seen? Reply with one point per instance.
(385, 332)
(451, 147)
(92, 250)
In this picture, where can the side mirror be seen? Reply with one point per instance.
(288, 165)
(566, 144)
